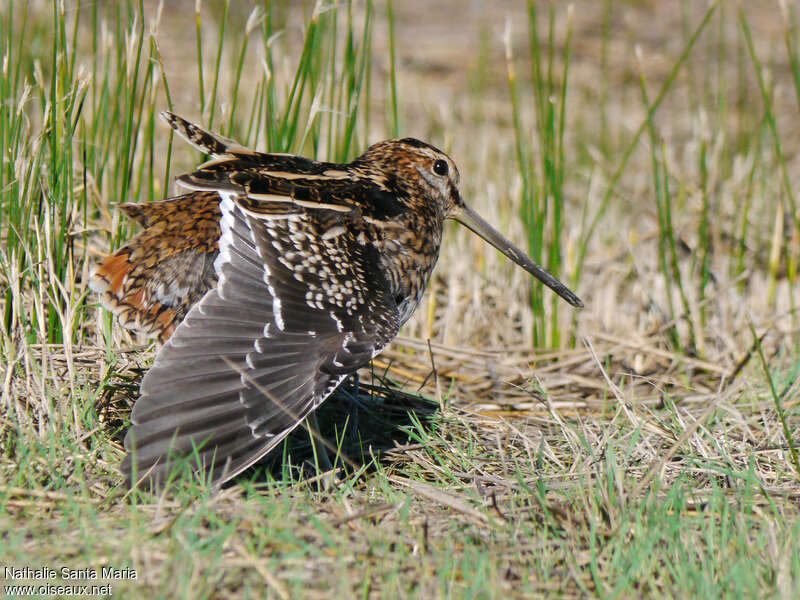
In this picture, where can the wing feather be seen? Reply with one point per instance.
(258, 352)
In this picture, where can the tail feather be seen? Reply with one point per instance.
(153, 280)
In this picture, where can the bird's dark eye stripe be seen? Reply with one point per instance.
(440, 167)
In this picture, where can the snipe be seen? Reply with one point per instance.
(271, 280)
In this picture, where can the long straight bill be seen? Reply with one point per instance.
(475, 222)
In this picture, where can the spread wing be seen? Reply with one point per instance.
(300, 303)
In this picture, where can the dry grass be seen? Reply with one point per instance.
(649, 459)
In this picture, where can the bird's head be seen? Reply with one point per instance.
(428, 176)
(420, 174)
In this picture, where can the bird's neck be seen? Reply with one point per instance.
(408, 247)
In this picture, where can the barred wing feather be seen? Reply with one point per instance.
(293, 313)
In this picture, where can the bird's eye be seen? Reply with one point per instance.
(440, 167)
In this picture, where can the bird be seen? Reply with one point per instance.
(268, 281)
